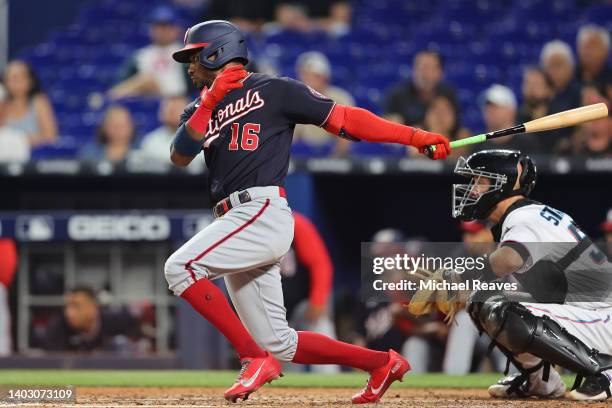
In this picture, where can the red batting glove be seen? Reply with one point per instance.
(421, 138)
(226, 81)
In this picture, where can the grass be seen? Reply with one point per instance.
(189, 378)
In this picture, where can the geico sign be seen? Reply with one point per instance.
(118, 227)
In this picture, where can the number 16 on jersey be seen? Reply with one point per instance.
(249, 139)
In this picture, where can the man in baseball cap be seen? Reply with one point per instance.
(314, 69)
(151, 71)
(499, 109)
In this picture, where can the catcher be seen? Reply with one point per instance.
(564, 314)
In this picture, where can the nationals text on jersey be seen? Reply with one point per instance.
(232, 111)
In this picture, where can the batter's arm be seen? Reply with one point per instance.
(182, 158)
(358, 123)
(190, 136)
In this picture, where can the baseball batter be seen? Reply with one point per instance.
(569, 321)
(244, 123)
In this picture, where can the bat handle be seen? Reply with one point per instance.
(429, 151)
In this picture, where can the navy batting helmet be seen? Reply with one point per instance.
(477, 199)
(218, 43)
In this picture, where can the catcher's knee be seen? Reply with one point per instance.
(513, 326)
(180, 273)
(509, 324)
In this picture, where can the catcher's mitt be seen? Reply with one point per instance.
(428, 299)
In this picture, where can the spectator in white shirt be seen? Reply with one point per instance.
(156, 145)
(14, 146)
(151, 71)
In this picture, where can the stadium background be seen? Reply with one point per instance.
(76, 50)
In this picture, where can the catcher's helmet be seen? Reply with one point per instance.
(476, 200)
(217, 41)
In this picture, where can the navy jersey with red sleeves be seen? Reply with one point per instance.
(249, 136)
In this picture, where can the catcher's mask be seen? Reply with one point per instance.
(493, 175)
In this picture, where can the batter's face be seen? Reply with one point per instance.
(200, 76)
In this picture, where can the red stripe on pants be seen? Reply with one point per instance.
(222, 240)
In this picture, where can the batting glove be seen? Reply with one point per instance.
(231, 78)
(421, 138)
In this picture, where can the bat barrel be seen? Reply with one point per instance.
(568, 118)
(563, 119)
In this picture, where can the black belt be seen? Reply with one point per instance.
(225, 205)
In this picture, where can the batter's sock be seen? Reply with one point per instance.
(315, 348)
(209, 301)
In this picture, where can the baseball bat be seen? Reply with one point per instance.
(563, 119)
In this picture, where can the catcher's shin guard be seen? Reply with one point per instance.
(513, 327)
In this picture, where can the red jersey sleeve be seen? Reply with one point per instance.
(8, 261)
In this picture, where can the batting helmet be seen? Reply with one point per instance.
(477, 199)
(217, 41)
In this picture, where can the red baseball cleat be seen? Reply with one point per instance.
(381, 379)
(254, 373)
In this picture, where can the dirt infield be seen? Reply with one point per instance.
(298, 397)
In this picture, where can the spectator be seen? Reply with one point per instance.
(151, 71)
(593, 45)
(594, 138)
(314, 70)
(442, 117)
(558, 62)
(14, 145)
(156, 145)
(85, 326)
(537, 91)
(408, 102)
(27, 108)
(339, 21)
(8, 267)
(307, 276)
(114, 139)
(290, 16)
(499, 112)
(247, 14)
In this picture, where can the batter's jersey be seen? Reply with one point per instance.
(249, 136)
(543, 232)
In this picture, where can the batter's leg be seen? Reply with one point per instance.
(323, 325)
(255, 233)
(257, 296)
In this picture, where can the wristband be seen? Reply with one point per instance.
(200, 118)
(185, 144)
